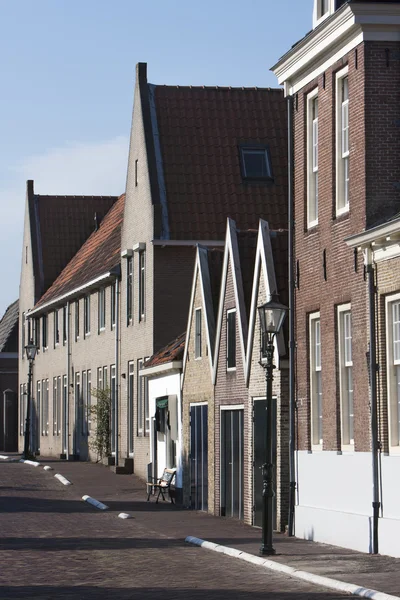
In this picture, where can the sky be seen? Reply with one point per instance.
(67, 79)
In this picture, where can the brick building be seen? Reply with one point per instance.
(343, 85)
(106, 282)
(9, 379)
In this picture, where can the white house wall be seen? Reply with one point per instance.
(341, 514)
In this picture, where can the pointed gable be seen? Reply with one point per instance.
(9, 329)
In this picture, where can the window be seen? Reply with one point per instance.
(346, 376)
(142, 285)
(129, 289)
(22, 408)
(197, 333)
(112, 305)
(36, 332)
(38, 408)
(23, 335)
(99, 378)
(393, 369)
(64, 403)
(113, 406)
(83, 405)
(140, 398)
(89, 402)
(44, 332)
(56, 328)
(146, 403)
(231, 340)
(78, 402)
(342, 142)
(105, 378)
(86, 315)
(255, 162)
(315, 381)
(65, 322)
(323, 7)
(102, 309)
(56, 405)
(77, 320)
(45, 407)
(130, 405)
(312, 159)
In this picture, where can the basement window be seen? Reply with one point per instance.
(255, 163)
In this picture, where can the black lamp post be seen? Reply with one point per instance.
(30, 350)
(272, 315)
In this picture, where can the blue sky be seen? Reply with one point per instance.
(67, 78)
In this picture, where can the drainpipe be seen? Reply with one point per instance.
(116, 419)
(292, 442)
(374, 403)
(66, 416)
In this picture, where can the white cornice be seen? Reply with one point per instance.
(333, 39)
(169, 368)
(366, 238)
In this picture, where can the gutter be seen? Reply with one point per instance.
(174, 365)
(216, 243)
(117, 379)
(93, 283)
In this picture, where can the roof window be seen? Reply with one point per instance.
(255, 163)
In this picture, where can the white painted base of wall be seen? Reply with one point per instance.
(334, 499)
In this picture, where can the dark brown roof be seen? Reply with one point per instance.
(59, 227)
(247, 243)
(9, 329)
(172, 351)
(98, 255)
(200, 132)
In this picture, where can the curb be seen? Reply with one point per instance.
(62, 479)
(94, 502)
(47, 468)
(334, 584)
(29, 462)
(2, 457)
(124, 516)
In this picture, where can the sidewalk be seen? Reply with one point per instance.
(127, 493)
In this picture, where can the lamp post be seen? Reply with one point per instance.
(30, 350)
(272, 315)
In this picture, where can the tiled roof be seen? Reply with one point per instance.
(63, 224)
(98, 255)
(8, 324)
(200, 132)
(172, 351)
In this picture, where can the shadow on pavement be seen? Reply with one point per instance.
(151, 593)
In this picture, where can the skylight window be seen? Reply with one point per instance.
(256, 164)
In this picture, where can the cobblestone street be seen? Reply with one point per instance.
(54, 545)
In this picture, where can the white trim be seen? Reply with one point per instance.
(232, 407)
(348, 27)
(228, 312)
(196, 310)
(211, 243)
(174, 365)
(389, 300)
(139, 247)
(343, 308)
(311, 188)
(340, 175)
(316, 316)
(198, 404)
(60, 299)
(387, 252)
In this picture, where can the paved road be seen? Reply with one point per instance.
(53, 545)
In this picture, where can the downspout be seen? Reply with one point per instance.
(66, 416)
(291, 225)
(116, 420)
(374, 397)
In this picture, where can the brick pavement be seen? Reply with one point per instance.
(52, 544)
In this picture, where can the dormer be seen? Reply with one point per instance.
(324, 9)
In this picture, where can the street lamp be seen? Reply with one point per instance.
(30, 350)
(272, 315)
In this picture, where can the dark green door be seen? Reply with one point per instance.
(199, 456)
(259, 451)
(232, 462)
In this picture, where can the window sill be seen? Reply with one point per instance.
(394, 450)
(87, 334)
(342, 212)
(348, 449)
(231, 370)
(316, 448)
(101, 329)
(198, 357)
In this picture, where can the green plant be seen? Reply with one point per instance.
(101, 413)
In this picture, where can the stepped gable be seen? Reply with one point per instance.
(98, 255)
(200, 133)
(9, 329)
(171, 352)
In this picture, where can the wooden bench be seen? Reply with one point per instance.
(162, 484)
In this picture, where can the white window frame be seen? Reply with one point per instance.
(45, 408)
(130, 411)
(197, 334)
(45, 332)
(392, 373)
(22, 408)
(56, 328)
(142, 285)
(140, 398)
(89, 402)
(312, 161)
(146, 403)
(102, 309)
(113, 300)
(315, 362)
(345, 371)
(129, 290)
(318, 17)
(77, 321)
(83, 405)
(228, 312)
(100, 378)
(342, 155)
